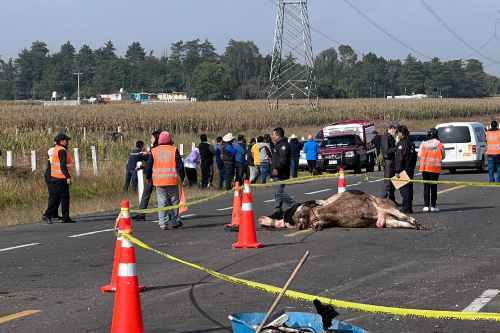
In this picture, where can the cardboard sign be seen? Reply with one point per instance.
(401, 181)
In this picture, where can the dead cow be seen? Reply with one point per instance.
(351, 209)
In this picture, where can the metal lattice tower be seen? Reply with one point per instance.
(292, 68)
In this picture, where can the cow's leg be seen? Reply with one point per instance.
(393, 223)
(272, 223)
(381, 219)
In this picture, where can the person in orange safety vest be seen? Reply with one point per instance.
(58, 179)
(165, 167)
(430, 154)
(493, 152)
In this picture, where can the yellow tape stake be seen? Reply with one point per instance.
(18, 315)
(299, 296)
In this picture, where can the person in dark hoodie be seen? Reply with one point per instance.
(148, 185)
(228, 153)
(405, 160)
(135, 155)
(280, 166)
(295, 148)
(207, 153)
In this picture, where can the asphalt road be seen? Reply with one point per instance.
(447, 267)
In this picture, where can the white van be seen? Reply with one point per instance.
(464, 144)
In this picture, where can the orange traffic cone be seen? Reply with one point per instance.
(123, 224)
(182, 200)
(247, 190)
(127, 313)
(236, 216)
(247, 236)
(341, 184)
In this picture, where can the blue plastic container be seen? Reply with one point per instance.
(248, 322)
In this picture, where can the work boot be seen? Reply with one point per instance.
(47, 219)
(177, 224)
(163, 226)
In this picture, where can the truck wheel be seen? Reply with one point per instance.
(453, 170)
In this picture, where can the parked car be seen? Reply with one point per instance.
(348, 144)
(464, 144)
(417, 138)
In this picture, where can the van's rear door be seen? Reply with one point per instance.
(456, 141)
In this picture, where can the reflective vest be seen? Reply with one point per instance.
(55, 163)
(493, 141)
(431, 154)
(164, 166)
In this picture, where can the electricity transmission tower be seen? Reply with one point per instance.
(292, 67)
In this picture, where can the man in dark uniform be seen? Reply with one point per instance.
(207, 153)
(388, 151)
(405, 160)
(280, 166)
(58, 180)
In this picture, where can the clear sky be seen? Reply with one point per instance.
(158, 23)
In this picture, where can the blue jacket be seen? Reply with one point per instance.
(241, 153)
(311, 149)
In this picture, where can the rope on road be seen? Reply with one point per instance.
(300, 296)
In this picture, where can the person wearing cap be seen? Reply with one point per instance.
(311, 149)
(388, 151)
(164, 168)
(295, 148)
(58, 180)
(493, 152)
(228, 153)
(431, 154)
(280, 167)
(148, 185)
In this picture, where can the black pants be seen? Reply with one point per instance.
(192, 176)
(430, 190)
(206, 173)
(130, 179)
(281, 197)
(242, 172)
(407, 194)
(228, 176)
(294, 167)
(311, 165)
(58, 195)
(389, 172)
(146, 195)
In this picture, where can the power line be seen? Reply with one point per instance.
(455, 34)
(384, 31)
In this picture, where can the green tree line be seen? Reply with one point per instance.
(240, 72)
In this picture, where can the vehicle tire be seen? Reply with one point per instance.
(357, 167)
(453, 170)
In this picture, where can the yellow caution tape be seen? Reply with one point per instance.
(299, 180)
(442, 182)
(300, 296)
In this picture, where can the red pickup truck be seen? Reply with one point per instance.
(348, 144)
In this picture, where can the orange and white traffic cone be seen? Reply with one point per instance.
(123, 224)
(247, 236)
(127, 313)
(341, 184)
(236, 216)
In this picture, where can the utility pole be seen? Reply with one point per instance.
(78, 75)
(292, 66)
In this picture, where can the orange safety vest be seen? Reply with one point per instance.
(55, 163)
(164, 165)
(431, 155)
(493, 141)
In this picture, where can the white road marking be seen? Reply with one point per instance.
(91, 233)
(270, 200)
(482, 300)
(223, 209)
(18, 247)
(320, 191)
(355, 184)
(187, 216)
